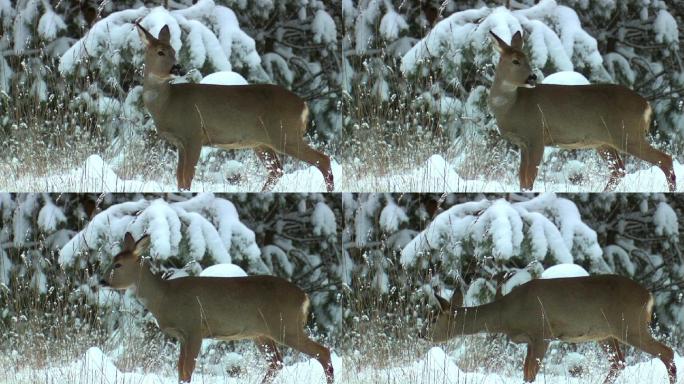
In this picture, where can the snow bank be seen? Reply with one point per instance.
(564, 270)
(224, 78)
(566, 78)
(223, 270)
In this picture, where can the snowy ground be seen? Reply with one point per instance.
(439, 175)
(433, 367)
(434, 175)
(97, 175)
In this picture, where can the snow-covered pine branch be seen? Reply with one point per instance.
(191, 230)
(202, 34)
(553, 34)
(546, 230)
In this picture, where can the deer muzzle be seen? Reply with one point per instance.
(177, 70)
(532, 80)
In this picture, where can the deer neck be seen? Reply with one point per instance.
(502, 96)
(156, 91)
(483, 318)
(150, 289)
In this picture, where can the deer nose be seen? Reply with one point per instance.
(177, 70)
(103, 283)
(532, 79)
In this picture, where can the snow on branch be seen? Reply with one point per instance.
(209, 224)
(546, 228)
(553, 35)
(212, 34)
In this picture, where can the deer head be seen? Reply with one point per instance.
(160, 57)
(513, 66)
(444, 325)
(125, 269)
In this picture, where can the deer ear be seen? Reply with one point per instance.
(456, 300)
(499, 44)
(517, 41)
(129, 242)
(145, 36)
(165, 35)
(443, 303)
(141, 246)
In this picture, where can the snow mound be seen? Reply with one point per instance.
(224, 78)
(564, 270)
(97, 364)
(224, 270)
(308, 180)
(96, 170)
(566, 78)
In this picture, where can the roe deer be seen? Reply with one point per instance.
(610, 118)
(265, 117)
(267, 309)
(605, 308)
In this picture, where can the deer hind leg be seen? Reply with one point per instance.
(644, 151)
(302, 343)
(617, 166)
(535, 354)
(188, 154)
(275, 169)
(186, 363)
(530, 157)
(645, 342)
(275, 361)
(304, 152)
(617, 359)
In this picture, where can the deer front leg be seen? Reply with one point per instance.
(617, 166)
(275, 361)
(530, 157)
(186, 362)
(270, 159)
(617, 359)
(188, 154)
(535, 354)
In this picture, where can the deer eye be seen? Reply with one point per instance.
(160, 53)
(516, 61)
(117, 265)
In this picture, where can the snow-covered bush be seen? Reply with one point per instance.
(476, 240)
(182, 232)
